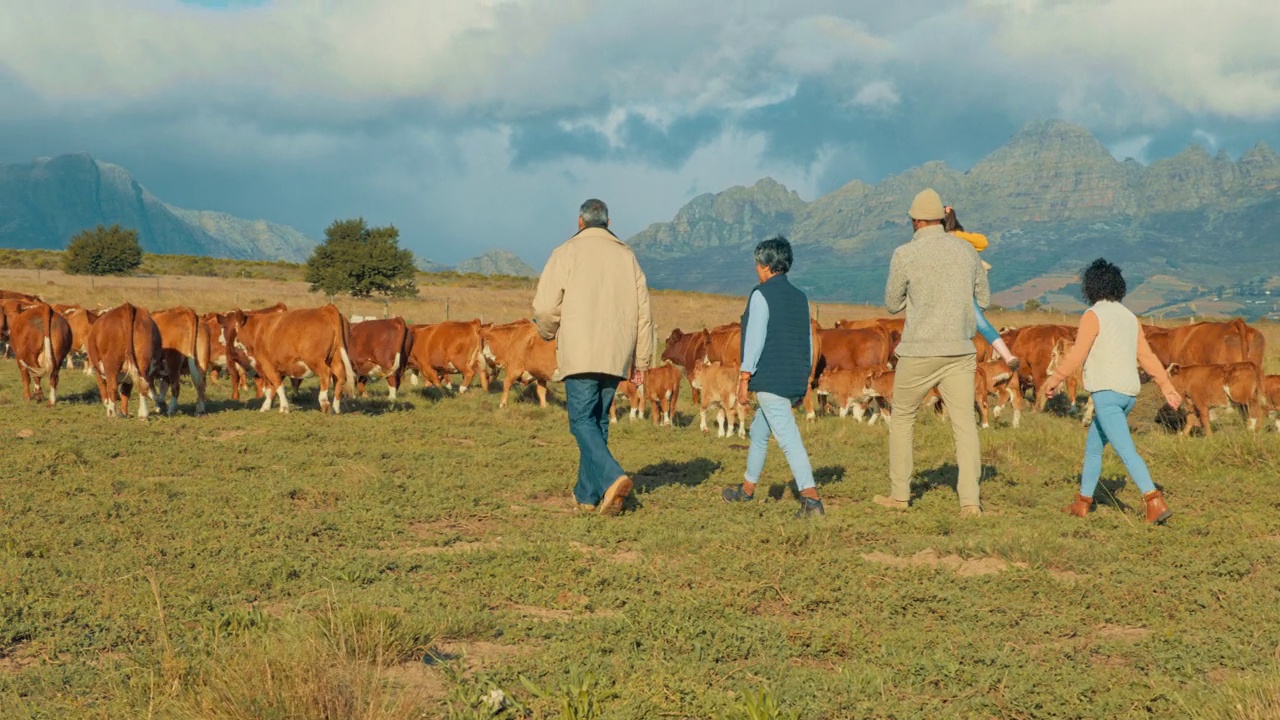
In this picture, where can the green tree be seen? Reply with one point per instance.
(1032, 305)
(103, 251)
(360, 261)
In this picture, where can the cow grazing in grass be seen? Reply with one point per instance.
(1203, 387)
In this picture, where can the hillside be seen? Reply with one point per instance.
(496, 262)
(1051, 200)
(44, 202)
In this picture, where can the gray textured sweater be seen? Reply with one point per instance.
(936, 277)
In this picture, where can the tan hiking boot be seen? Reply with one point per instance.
(970, 511)
(890, 503)
(1079, 508)
(1157, 511)
(584, 507)
(611, 504)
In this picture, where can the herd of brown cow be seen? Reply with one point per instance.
(1213, 364)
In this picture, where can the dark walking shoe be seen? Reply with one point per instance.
(809, 506)
(736, 494)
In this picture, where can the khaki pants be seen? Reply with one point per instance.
(915, 377)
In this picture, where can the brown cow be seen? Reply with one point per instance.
(847, 389)
(1002, 382)
(1207, 343)
(41, 339)
(662, 390)
(296, 344)
(1271, 389)
(635, 402)
(80, 319)
(686, 350)
(125, 350)
(719, 386)
(439, 349)
(380, 348)
(1034, 346)
(724, 344)
(185, 339)
(523, 354)
(1221, 385)
(846, 349)
(243, 365)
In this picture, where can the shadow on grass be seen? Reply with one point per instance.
(944, 476)
(821, 476)
(689, 473)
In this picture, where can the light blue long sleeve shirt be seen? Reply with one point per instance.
(755, 332)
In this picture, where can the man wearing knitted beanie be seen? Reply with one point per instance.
(935, 278)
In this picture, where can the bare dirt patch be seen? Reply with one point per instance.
(226, 435)
(1125, 633)
(625, 557)
(964, 567)
(544, 614)
(1066, 576)
(26, 433)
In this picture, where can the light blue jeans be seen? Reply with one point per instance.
(775, 418)
(985, 328)
(1111, 426)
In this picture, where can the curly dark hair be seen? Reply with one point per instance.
(1102, 281)
(950, 222)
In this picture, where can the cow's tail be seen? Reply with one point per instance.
(343, 340)
(197, 356)
(46, 354)
(131, 357)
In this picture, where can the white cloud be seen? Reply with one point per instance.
(880, 96)
(1189, 55)
(1207, 138)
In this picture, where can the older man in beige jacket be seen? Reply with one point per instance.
(593, 299)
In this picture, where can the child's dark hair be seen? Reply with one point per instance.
(950, 223)
(1102, 281)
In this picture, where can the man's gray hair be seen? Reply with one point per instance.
(594, 213)
(775, 254)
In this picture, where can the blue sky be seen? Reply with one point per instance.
(483, 124)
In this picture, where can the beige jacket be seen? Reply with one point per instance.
(593, 299)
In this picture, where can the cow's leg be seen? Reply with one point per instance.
(468, 376)
(542, 393)
(126, 391)
(720, 422)
(702, 425)
(323, 396)
(26, 381)
(742, 420)
(859, 409)
(507, 381)
(810, 410)
(668, 405)
(393, 385)
(53, 386)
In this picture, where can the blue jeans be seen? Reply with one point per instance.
(588, 398)
(1111, 425)
(775, 418)
(985, 328)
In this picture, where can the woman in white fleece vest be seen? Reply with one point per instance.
(1111, 346)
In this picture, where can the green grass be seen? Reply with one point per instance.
(248, 565)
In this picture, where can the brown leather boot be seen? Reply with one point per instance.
(1079, 508)
(1157, 511)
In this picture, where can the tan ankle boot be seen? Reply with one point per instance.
(1079, 508)
(1157, 511)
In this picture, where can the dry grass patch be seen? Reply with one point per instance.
(964, 567)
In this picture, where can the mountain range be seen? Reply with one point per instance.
(44, 202)
(1187, 229)
(494, 262)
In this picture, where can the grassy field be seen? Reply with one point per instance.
(424, 559)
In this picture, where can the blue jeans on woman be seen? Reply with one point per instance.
(588, 398)
(1111, 426)
(985, 328)
(776, 418)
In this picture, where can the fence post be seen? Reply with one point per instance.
(446, 309)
